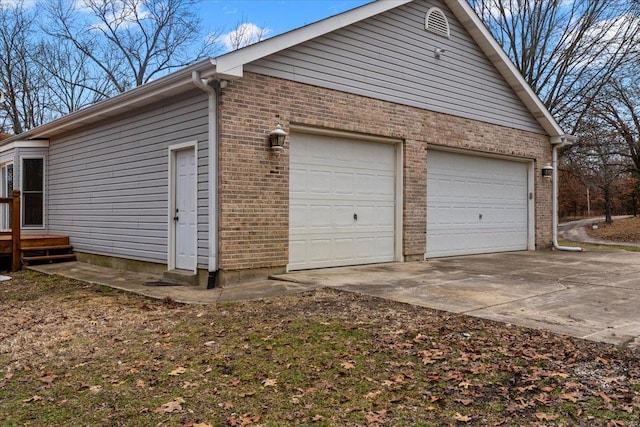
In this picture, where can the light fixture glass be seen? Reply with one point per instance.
(277, 137)
(547, 171)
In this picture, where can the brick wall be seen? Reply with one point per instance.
(254, 191)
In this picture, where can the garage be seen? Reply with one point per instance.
(342, 201)
(476, 204)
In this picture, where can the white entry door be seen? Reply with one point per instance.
(185, 215)
(475, 204)
(341, 202)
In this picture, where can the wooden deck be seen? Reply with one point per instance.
(37, 249)
(25, 249)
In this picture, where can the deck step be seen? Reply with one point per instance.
(47, 248)
(54, 252)
(48, 258)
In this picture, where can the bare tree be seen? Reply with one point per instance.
(566, 50)
(72, 82)
(619, 108)
(131, 41)
(598, 159)
(24, 105)
(244, 34)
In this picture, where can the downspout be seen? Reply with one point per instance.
(212, 92)
(562, 142)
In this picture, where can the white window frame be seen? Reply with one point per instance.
(5, 224)
(44, 190)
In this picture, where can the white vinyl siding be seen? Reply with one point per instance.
(391, 57)
(475, 204)
(108, 183)
(342, 202)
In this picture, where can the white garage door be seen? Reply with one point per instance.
(475, 204)
(341, 202)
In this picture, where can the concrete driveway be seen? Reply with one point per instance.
(592, 295)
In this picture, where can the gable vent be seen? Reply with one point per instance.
(436, 22)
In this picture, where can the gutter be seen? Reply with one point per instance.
(212, 92)
(557, 143)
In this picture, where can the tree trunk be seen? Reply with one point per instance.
(607, 206)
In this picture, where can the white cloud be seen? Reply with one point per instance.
(244, 35)
(609, 38)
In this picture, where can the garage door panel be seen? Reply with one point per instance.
(297, 181)
(297, 216)
(316, 153)
(343, 216)
(317, 248)
(297, 251)
(343, 248)
(365, 183)
(385, 216)
(385, 185)
(320, 216)
(342, 183)
(475, 204)
(356, 177)
(366, 247)
(318, 181)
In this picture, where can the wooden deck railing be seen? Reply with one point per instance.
(14, 204)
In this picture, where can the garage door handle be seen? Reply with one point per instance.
(355, 217)
(480, 217)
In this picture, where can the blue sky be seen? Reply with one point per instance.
(277, 16)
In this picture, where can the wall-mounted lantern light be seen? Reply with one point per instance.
(547, 171)
(277, 137)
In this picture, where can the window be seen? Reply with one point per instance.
(7, 180)
(33, 192)
(6, 189)
(436, 22)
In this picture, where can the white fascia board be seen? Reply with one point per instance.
(467, 16)
(37, 143)
(232, 63)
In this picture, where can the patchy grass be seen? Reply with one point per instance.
(78, 354)
(621, 230)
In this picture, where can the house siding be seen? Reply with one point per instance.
(254, 187)
(108, 184)
(391, 57)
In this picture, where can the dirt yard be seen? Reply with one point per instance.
(77, 354)
(621, 230)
